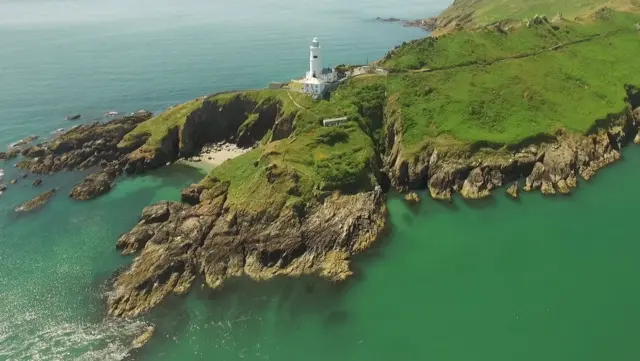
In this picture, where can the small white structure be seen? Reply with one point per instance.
(318, 78)
(334, 121)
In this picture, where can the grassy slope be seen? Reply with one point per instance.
(482, 12)
(512, 100)
(314, 159)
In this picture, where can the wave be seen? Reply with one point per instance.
(22, 339)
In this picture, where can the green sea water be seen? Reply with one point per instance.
(535, 279)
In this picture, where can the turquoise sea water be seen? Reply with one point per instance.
(536, 279)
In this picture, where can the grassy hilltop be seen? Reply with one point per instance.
(468, 90)
(474, 13)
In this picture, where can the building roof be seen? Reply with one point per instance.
(313, 81)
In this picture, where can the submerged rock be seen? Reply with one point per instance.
(513, 190)
(37, 202)
(3, 187)
(37, 182)
(412, 198)
(144, 338)
(73, 117)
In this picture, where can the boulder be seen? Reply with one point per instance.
(14, 181)
(3, 187)
(37, 182)
(37, 202)
(73, 117)
(412, 198)
(513, 190)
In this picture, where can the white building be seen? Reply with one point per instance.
(318, 78)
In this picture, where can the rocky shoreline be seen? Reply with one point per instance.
(429, 24)
(206, 235)
(553, 165)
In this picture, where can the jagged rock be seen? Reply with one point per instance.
(478, 184)
(513, 190)
(37, 202)
(563, 187)
(412, 198)
(94, 185)
(547, 187)
(33, 152)
(82, 147)
(144, 337)
(534, 180)
(3, 187)
(37, 182)
(572, 181)
(24, 175)
(208, 240)
(191, 194)
(14, 181)
(636, 116)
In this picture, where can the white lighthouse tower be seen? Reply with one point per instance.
(318, 78)
(315, 59)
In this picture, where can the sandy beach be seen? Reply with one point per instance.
(212, 155)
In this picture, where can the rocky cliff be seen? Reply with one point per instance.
(179, 242)
(550, 164)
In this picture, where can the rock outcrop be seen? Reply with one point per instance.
(37, 202)
(513, 190)
(553, 166)
(83, 147)
(96, 184)
(179, 242)
(412, 198)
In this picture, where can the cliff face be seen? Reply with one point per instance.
(241, 120)
(551, 165)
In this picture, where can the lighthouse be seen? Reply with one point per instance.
(318, 79)
(315, 58)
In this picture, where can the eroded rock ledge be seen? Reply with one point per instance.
(551, 166)
(179, 242)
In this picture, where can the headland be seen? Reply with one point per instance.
(536, 104)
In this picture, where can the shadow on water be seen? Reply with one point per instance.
(243, 304)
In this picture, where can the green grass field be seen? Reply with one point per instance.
(512, 100)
